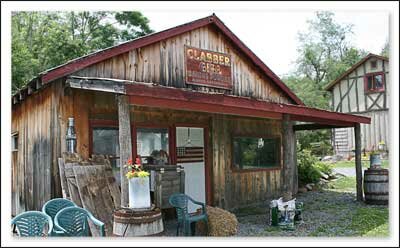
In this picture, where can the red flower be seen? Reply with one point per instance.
(137, 161)
(129, 161)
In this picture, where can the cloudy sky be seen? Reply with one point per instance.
(272, 34)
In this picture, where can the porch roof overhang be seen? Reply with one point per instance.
(154, 95)
(173, 98)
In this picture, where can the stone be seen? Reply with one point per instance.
(324, 176)
(309, 187)
(326, 158)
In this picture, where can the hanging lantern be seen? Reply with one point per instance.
(71, 136)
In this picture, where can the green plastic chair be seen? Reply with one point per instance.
(180, 202)
(32, 224)
(73, 222)
(52, 207)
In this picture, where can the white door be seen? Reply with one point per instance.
(190, 155)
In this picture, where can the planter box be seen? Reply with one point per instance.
(139, 192)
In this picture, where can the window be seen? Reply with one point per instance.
(14, 142)
(256, 152)
(373, 64)
(374, 82)
(153, 145)
(105, 141)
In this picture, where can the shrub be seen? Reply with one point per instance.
(308, 172)
(323, 167)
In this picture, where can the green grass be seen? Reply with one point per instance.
(371, 222)
(344, 184)
(351, 164)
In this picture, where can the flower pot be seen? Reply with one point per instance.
(139, 192)
(375, 160)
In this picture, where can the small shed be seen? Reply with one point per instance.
(194, 95)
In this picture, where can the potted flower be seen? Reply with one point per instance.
(139, 185)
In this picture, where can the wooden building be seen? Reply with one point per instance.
(194, 91)
(363, 90)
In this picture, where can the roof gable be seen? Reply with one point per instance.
(351, 69)
(82, 62)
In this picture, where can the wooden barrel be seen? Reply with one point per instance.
(376, 186)
(132, 223)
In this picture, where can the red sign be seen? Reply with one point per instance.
(208, 68)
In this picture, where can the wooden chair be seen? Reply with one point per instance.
(73, 221)
(180, 202)
(32, 224)
(52, 207)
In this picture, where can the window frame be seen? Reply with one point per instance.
(100, 124)
(373, 74)
(14, 136)
(171, 143)
(280, 155)
(373, 62)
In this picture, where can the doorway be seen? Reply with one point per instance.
(191, 155)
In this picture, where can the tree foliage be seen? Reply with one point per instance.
(42, 40)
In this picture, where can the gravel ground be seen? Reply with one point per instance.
(326, 213)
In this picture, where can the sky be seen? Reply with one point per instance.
(272, 35)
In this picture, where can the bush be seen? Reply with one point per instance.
(323, 167)
(308, 172)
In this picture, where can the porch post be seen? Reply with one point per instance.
(125, 143)
(357, 141)
(289, 172)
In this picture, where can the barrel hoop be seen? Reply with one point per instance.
(376, 193)
(136, 219)
(381, 181)
(377, 202)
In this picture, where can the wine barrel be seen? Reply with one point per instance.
(132, 223)
(376, 186)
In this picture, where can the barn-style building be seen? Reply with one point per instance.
(363, 90)
(194, 91)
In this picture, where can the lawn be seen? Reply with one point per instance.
(365, 164)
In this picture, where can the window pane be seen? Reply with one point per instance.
(370, 83)
(105, 141)
(378, 82)
(253, 153)
(152, 145)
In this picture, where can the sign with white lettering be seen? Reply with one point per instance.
(208, 68)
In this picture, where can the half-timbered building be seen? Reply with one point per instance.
(193, 95)
(363, 90)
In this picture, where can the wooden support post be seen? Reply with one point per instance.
(125, 143)
(357, 137)
(289, 173)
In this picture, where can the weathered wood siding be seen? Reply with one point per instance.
(31, 164)
(163, 63)
(349, 96)
(234, 189)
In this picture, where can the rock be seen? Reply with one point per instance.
(323, 181)
(324, 176)
(221, 223)
(326, 158)
(302, 190)
(309, 187)
(337, 157)
(333, 175)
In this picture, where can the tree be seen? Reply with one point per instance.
(386, 49)
(325, 52)
(42, 40)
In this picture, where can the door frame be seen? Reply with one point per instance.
(207, 168)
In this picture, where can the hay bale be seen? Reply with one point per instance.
(221, 223)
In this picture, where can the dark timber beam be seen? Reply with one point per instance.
(98, 84)
(125, 143)
(301, 127)
(357, 139)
